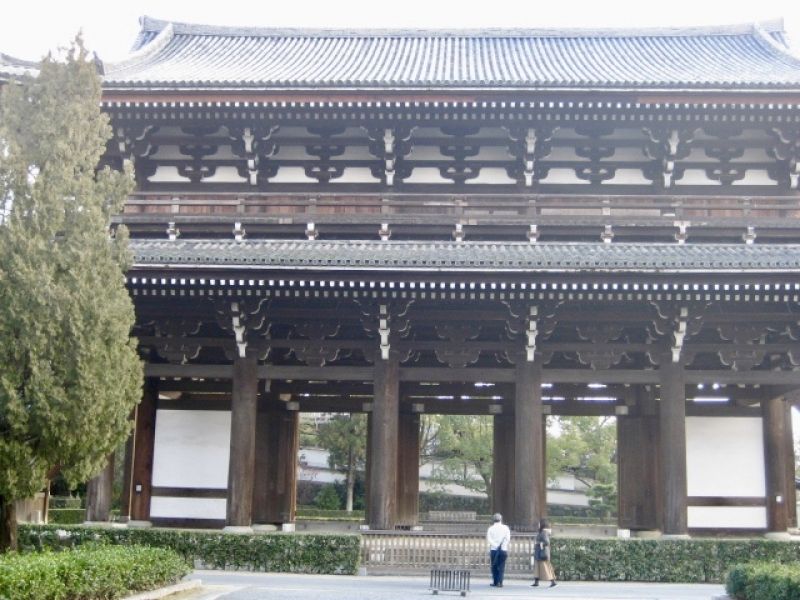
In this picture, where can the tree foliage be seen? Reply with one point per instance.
(462, 450)
(69, 372)
(344, 436)
(586, 448)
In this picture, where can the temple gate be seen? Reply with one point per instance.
(486, 222)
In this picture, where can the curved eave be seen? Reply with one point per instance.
(454, 270)
(492, 88)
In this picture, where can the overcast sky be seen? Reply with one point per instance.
(29, 28)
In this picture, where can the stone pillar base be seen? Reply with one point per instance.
(288, 527)
(237, 529)
(778, 536)
(675, 536)
(106, 524)
(133, 524)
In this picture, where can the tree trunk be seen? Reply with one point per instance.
(351, 483)
(8, 525)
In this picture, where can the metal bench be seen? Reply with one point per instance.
(450, 580)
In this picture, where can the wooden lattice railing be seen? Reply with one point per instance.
(385, 551)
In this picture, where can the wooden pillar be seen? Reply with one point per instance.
(529, 479)
(383, 444)
(127, 476)
(773, 413)
(275, 486)
(672, 453)
(637, 472)
(143, 445)
(408, 470)
(98, 494)
(791, 490)
(241, 470)
(503, 467)
(368, 464)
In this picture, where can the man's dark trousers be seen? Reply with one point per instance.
(498, 559)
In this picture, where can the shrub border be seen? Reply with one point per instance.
(330, 554)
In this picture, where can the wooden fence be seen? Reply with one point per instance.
(391, 552)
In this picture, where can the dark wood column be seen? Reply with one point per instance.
(672, 449)
(98, 494)
(368, 464)
(408, 470)
(383, 445)
(275, 487)
(773, 413)
(529, 477)
(637, 472)
(127, 475)
(503, 467)
(791, 490)
(241, 468)
(143, 444)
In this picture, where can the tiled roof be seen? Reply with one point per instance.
(16, 67)
(181, 55)
(465, 256)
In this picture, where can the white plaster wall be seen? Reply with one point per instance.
(226, 175)
(187, 508)
(167, 174)
(628, 177)
(725, 458)
(718, 517)
(192, 449)
(492, 175)
(756, 177)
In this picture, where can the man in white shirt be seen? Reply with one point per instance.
(498, 536)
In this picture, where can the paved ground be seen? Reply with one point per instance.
(257, 586)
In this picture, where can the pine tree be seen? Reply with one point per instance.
(69, 371)
(345, 439)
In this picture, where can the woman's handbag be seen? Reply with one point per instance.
(540, 552)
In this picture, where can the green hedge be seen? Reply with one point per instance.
(687, 561)
(89, 573)
(329, 515)
(276, 552)
(66, 516)
(764, 581)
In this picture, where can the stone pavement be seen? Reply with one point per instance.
(226, 585)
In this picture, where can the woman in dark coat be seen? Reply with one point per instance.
(542, 569)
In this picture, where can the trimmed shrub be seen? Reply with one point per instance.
(66, 516)
(764, 581)
(674, 561)
(329, 515)
(327, 498)
(275, 552)
(102, 572)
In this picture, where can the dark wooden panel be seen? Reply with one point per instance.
(408, 470)
(725, 501)
(241, 469)
(637, 472)
(529, 476)
(384, 442)
(188, 523)
(672, 449)
(144, 440)
(182, 492)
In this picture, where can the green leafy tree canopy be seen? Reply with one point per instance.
(69, 371)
